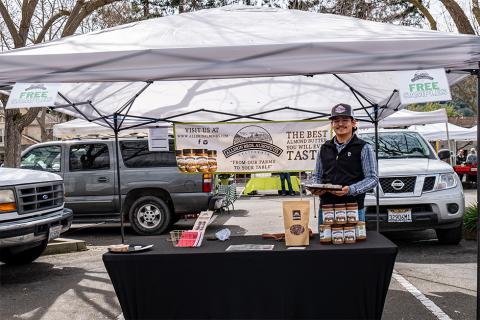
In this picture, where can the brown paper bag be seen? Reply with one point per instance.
(295, 217)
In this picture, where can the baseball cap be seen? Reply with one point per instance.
(342, 109)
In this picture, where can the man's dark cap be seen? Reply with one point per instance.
(342, 109)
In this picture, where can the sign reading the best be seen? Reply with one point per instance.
(249, 147)
(420, 86)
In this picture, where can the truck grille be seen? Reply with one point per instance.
(416, 208)
(398, 184)
(428, 184)
(39, 196)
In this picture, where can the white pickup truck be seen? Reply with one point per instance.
(31, 213)
(417, 190)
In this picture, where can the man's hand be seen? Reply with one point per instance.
(342, 192)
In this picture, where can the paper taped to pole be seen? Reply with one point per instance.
(249, 147)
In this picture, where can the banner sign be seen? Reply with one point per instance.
(249, 147)
(28, 95)
(423, 86)
(158, 139)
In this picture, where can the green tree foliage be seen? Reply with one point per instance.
(431, 106)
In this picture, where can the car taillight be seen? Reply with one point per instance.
(207, 182)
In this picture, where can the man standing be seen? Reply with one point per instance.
(345, 160)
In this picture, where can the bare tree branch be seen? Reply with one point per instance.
(50, 22)
(17, 40)
(418, 4)
(85, 11)
(476, 10)
(28, 8)
(75, 11)
(458, 16)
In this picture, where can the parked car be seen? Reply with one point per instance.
(154, 193)
(417, 190)
(31, 213)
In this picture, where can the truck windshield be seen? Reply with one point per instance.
(399, 145)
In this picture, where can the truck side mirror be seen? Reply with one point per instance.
(444, 154)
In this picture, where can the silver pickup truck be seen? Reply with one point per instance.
(31, 213)
(154, 193)
(417, 190)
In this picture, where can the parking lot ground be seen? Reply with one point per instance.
(431, 281)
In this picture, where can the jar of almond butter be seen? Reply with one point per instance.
(340, 214)
(212, 160)
(190, 160)
(337, 235)
(349, 234)
(352, 212)
(361, 231)
(180, 161)
(325, 232)
(201, 160)
(328, 214)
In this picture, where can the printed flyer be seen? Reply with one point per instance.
(249, 147)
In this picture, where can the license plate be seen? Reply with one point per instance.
(399, 215)
(54, 232)
(473, 169)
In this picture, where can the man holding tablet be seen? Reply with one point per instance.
(345, 160)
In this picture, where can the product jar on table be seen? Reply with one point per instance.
(328, 214)
(340, 214)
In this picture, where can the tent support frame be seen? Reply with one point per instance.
(477, 73)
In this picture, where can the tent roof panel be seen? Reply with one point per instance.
(224, 43)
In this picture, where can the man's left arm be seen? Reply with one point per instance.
(370, 171)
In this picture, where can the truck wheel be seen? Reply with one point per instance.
(149, 215)
(450, 236)
(16, 256)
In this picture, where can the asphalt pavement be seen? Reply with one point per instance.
(430, 281)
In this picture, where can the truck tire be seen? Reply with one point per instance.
(17, 256)
(149, 215)
(450, 236)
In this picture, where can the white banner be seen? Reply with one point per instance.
(28, 95)
(249, 147)
(158, 139)
(418, 86)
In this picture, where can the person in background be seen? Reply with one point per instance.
(472, 156)
(345, 160)
(461, 157)
(286, 176)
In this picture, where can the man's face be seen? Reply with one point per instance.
(343, 125)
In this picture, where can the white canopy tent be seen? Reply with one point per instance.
(237, 42)
(437, 131)
(404, 118)
(81, 128)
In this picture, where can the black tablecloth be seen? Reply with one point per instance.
(321, 282)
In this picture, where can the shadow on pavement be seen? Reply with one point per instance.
(27, 293)
(423, 247)
(449, 302)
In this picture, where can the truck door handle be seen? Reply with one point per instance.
(102, 179)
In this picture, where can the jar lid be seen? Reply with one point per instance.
(212, 153)
(179, 152)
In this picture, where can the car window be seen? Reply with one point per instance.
(86, 157)
(135, 154)
(45, 158)
(399, 145)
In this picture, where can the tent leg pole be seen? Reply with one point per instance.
(119, 192)
(478, 193)
(377, 189)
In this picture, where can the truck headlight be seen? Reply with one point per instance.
(446, 181)
(7, 201)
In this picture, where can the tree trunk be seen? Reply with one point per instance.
(458, 16)
(13, 142)
(42, 123)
